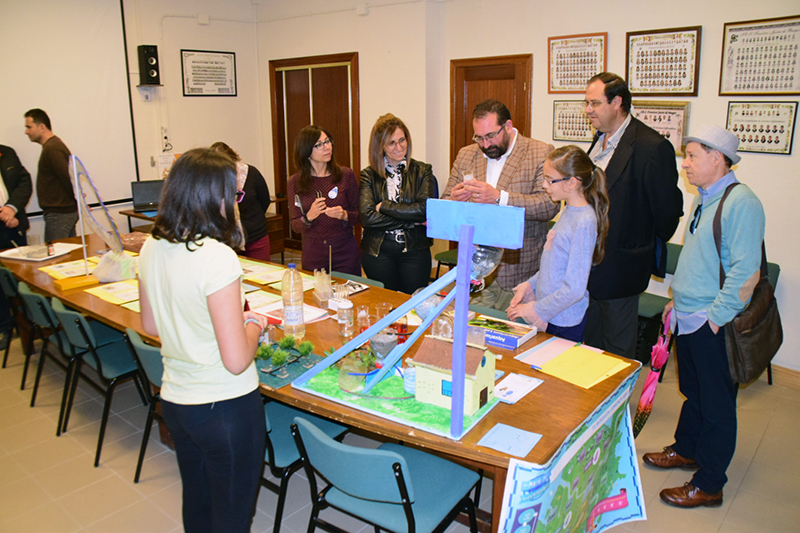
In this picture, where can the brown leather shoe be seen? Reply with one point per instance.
(669, 459)
(689, 496)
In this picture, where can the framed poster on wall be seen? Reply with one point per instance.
(670, 119)
(208, 73)
(570, 122)
(573, 59)
(760, 57)
(763, 127)
(663, 62)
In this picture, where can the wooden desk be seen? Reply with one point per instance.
(554, 409)
(131, 214)
(274, 228)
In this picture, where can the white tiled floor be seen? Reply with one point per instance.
(48, 484)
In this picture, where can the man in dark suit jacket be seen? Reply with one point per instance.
(18, 189)
(14, 195)
(645, 206)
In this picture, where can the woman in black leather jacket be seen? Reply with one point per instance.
(394, 189)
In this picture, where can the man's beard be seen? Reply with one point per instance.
(495, 151)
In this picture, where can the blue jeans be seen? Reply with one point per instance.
(59, 225)
(571, 333)
(220, 448)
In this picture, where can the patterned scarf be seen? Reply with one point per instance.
(394, 178)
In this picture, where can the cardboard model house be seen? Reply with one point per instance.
(433, 362)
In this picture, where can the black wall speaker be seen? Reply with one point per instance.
(149, 68)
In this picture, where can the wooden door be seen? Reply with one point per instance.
(504, 78)
(321, 90)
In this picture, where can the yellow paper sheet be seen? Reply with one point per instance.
(583, 367)
(117, 293)
(70, 269)
(133, 306)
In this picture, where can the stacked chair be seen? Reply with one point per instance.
(111, 361)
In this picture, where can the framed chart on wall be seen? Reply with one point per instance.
(207, 73)
(760, 57)
(663, 62)
(573, 59)
(570, 122)
(670, 119)
(763, 127)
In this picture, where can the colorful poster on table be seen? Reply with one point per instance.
(591, 484)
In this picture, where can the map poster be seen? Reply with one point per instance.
(591, 484)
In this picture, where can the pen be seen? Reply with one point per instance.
(536, 368)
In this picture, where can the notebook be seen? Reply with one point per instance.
(146, 194)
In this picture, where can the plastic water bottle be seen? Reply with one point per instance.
(292, 294)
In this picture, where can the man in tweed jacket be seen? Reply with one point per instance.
(504, 168)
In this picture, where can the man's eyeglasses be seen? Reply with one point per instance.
(239, 196)
(696, 219)
(594, 104)
(489, 136)
(321, 144)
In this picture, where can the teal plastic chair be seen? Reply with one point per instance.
(9, 286)
(488, 311)
(652, 305)
(151, 368)
(394, 488)
(281, 456)
(112, 363)
(360, 279)
(448, 258)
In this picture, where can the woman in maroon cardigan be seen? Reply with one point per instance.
(328, 194)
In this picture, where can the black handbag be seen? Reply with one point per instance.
(753, 337)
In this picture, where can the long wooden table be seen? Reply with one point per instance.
(554, 409)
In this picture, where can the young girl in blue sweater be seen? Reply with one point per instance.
(555, 299)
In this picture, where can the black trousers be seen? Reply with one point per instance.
(220, 448)
(612, 325)
(706, 430)
(9, 237)
(398, 270)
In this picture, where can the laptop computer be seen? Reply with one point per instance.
(146, 194)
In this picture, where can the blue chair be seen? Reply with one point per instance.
(282, 457)
(151, 368)
(112, 363)
(9, 286)
(360, 279)
(45, 324)
(394, 488)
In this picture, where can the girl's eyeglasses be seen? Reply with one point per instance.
(239, 196)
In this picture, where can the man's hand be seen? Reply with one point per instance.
(13, 223)
(667, 309)
(714, 327)
(459, 193)
(481, 192)
(6, 214)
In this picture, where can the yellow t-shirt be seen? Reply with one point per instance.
(178, 282)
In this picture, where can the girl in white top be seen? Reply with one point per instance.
(191, 297)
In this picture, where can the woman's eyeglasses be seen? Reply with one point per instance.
(321, 144)
(239, 196)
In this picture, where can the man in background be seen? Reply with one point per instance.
(15, 191)
(504, 168)
(53, 184)
(645, 206)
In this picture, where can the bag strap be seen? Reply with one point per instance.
(718, 238)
